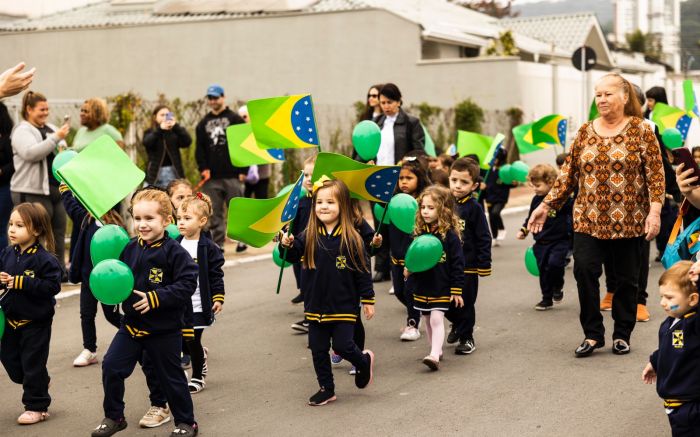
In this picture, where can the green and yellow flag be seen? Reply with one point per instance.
(593, 112)
(245, 151)
(539, 135)
(284, 122)
(483, 146)
(691, 103)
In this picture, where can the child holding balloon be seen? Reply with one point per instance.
(165, 277)
(552, 243)
(81, 267)
(30, 277)
(436, 287)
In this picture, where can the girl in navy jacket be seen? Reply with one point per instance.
(30, 277)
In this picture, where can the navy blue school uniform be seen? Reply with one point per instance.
(676, 364)
(398, 246)
(496, 196)
(476, 248)
(168, 275)
(333, 291)
(29, 309)
(552, 246)
(81, 266)
(433, 288)
(298, 226)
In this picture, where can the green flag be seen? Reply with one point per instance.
(429, 144)
(284, 122)
(245, 151)
(593, 112)
(370, 182)
(101, 176)
(472, 143)
(691, 104)
(523, 139)
(497, 141)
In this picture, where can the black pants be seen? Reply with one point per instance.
(259, 189)
(163, 350)
(463, 319)
(668, 218)
(551, 261)
(296, 267)
(341, 333)
(195, 350)
(589, 255)
(24, 352)
(88, 312)
(685, 420)
(404, 295)
(382, 259)
(642, 293)
(495, 220)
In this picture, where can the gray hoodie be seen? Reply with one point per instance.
(29, 154)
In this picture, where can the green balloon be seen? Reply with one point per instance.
(402, 212)
(379, 213)
(672, 138)
(519, 171)
(424, 253)
(172, 231)
(505, 174)
(303, 192)
(277, 258)
(111, 282)
(60, 160)
(531, 262)
(2, 323)
(108, 243)
(366, 138)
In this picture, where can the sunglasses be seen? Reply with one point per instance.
(372, 95)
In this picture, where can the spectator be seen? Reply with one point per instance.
(6, 171)
(93, 118)
(260, 187)
(401, 133)
(222, 181)
(654, 95)
(372, 108)
(34, 144)
(163, 142)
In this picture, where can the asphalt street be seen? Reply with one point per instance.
(523, 379)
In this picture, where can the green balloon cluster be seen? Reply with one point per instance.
(366, 139)
(402, 212)
(111, 281)
(108, 243)
(277, 258)
(60, 160)
(672, 138)
(424, 253)
(379, 213)
(531, 262)
(505, 174)
(2, 323)
(172, 230)
(519, 171)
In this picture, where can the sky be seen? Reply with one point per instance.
(38, 7)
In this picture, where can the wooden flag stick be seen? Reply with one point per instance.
(284, 261)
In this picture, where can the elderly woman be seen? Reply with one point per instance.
(93, 118)
(615, 162)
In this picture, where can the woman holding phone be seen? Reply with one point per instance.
(163, 142)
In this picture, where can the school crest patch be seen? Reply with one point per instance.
(155, 275)
(678, 339)
(29, 273)
(462, 225)
(443, 257)
(341, 262)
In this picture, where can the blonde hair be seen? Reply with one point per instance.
(97, 110)
(542, 173)
(172, 185)
(445, 206)
(199, 202)
(678, 276)
(632, 107)
(150, 194)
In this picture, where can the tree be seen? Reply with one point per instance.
(647, 43)
(494, 8)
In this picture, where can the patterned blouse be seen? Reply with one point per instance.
(618, 177)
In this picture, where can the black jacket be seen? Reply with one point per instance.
(7, 167)
(37, 276)
(212, 147)
(81, 263)
(496, 191)
(210, 261)
(559, 224)
(476, 237)
(163, 148)
(398, 244)
(408, 134)
(447, 277)
(168, 275)
(303, 214)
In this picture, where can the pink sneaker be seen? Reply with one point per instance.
(32, 417)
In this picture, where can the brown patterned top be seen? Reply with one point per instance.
(618, 177)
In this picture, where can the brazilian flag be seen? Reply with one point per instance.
(245, 151)
(284, 122)
(370, 182)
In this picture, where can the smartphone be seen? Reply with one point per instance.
(169, 116)
(66, 119)
(683, 156)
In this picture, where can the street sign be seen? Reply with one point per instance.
(584, 58)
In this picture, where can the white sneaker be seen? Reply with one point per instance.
(85, 359)
(495, 243)
(155, 416)
(391, 290)
(501, 235)
(410, 334)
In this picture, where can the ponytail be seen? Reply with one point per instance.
(30, 100)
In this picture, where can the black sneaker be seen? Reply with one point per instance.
(299, 298)
(109, 427)
(241, 247)
(363, 377)
(185, 362)
(465, 347)
(301, 326)
(543, 305)
(558, 296)
(322, 397)
(185, 430)
(452, 337)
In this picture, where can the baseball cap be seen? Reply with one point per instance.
(215, 90)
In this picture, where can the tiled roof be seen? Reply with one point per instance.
(566, 31)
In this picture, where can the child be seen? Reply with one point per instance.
(165, 277)
(696, 154)
(178, 190)
(30, 277)
(413, 180)
(674, 365)
(337, 281)
(476, 248)
(552, 243)
(496, 195)
(208, 300)
(437, 288)
(80, 270)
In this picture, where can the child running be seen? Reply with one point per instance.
(165, 277)
(208, 300)
(337, 280)
(674, 365)
(30, 277)
(552, 243)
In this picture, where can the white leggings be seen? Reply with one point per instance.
(435, 325)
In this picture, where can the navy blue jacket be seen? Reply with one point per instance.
(302, 217)
(476, 237)
(496, 191)
(334, 289)
(210, 261)
(37, 280)
(168, 275)
(677, 359)
(447, 277)
(557, 227)
(398, 244)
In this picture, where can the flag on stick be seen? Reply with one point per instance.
(245, 151)
(370, 182)
(284, 122)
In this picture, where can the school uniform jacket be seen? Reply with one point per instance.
(676, 360)
(557, 227)
(443, 280)
(476, 237)
(81, 265)
(302, 217)
(398, 245)
(334, 289)
(210, 262)
(168, 275)
(37, 279)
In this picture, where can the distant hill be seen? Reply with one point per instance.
(602, 8)
(690, 32)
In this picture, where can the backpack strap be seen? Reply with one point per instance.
(679, 221)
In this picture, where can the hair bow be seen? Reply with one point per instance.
(319, 183)
(199, 195)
